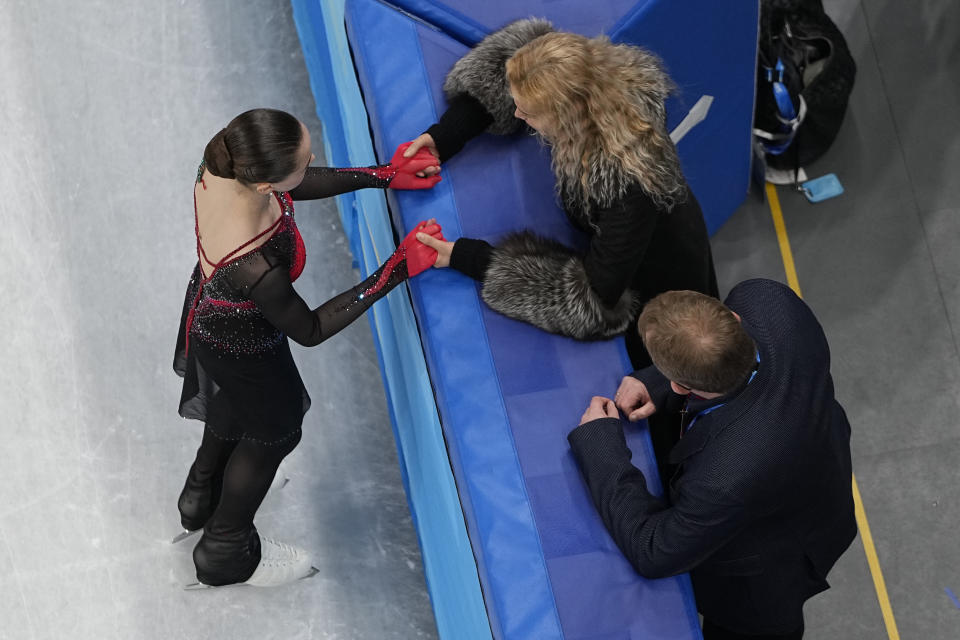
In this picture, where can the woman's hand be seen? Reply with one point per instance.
(443, 248)
(419, 256)
(423, 141)
(409, 169)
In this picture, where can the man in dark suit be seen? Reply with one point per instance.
(760, 505)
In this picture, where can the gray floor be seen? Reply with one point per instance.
(106, 110)
(880, 267)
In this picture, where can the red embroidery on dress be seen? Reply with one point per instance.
(385, 172)
(248, 304)
(299, 255)
(398, 256)
(284, 202)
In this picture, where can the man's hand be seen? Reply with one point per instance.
(424, 141)
(634, 400)
(600, 407)
(443, 248)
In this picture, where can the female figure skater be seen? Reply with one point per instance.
(240, 307)
(600, 108)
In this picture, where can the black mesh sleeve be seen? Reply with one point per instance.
(270, 288)
(324, 182)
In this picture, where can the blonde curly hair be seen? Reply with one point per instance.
(607, 122)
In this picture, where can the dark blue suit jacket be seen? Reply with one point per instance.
(761, 504)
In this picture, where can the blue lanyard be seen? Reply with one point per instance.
(717, 406)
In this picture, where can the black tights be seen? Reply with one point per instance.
(227, 482)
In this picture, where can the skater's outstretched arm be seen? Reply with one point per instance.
(268, 286)
(325, 182)
(399, 173)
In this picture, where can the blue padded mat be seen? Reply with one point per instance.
(468, 21)
(508, 393)
(448, 562)
(715, 57)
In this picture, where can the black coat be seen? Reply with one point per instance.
(761, 504)
(637, 250)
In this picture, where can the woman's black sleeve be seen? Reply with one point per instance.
(471, 257)
(463, 121)
(620, 245)
(615, 253)
(324, 182)
(549, 285)
(273, 293)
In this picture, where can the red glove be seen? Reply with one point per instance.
(419, 256)
(406, 169)
(422, 155)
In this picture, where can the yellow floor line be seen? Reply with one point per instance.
(782, 239)
(865, 535)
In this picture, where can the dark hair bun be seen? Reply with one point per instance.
(217, 156)
(260, 145)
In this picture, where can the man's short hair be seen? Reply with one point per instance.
(696, 341)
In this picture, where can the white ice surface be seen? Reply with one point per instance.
(106, 108)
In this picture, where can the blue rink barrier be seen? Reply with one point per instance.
(715, 58)
(449, 567)
(537, 562)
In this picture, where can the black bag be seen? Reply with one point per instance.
(817, 74)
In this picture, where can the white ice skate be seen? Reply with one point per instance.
(280, 564)
(279, 482)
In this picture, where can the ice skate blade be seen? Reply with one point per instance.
(184, 535)
(199, 586)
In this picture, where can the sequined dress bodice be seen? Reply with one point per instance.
(223, 316)
(232, 349)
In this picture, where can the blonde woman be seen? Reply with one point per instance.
(600, 108)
